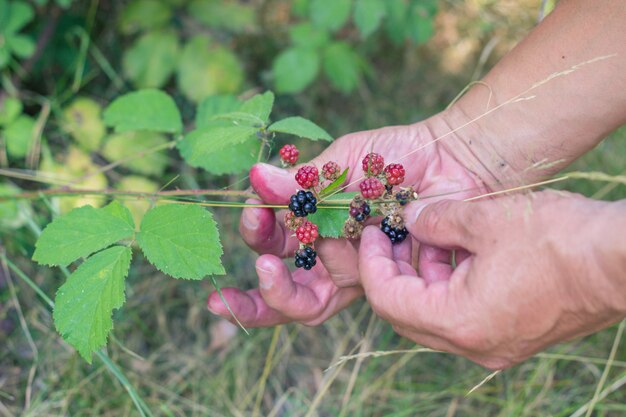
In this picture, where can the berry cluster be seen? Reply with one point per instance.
(395, 233)
(305, 258)
(304, 202)
(289, 155)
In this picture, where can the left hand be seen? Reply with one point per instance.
(533, 270)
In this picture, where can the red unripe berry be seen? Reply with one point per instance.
(373, 164)
(394, 174)
(331, 171)
(307, 233)
(371, 188)
(289, 154)
(308, 177)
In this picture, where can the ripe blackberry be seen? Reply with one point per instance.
(331, 171)
(307, 232)
(373, 164)
(303, 203)
(289, 154)
(395, 234)
(394, 174)
(305, 258)
(371, 188)
(308, 177)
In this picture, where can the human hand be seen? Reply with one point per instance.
(311, 297)
(533, 270)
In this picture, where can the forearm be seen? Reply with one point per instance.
(530, 133)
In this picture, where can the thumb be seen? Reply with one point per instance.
(274, 185)
(446, 224)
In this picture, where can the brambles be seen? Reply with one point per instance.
(308, 177)
(307, 232)
(331, 171)
(289, 154)
(373, 164)
(303, 203)
(372, 188)
(305, 258)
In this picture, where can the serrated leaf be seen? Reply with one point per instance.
(151, 110)
(85, 303)
(368, 14)
(140, 15)
(341, 65)
(205, 69)
(330, 220)
(152, 59)
(82, 232)
(330, 14)
(295, 68)
(199, 147)
(335, 184)
(260, 106)
(120, 146)
(302, 127)
(181, 241)
(213, 106)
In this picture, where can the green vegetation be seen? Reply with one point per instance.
(128, 99)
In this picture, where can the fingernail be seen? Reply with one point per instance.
(211, 309)
(266, 277)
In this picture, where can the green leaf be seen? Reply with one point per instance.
(82, 232)
(205, 70)
(260, 106)
(198, 148)
(21, 45)
(18, 136)
(231, 160)
(85, 303)
(14, 213)
(307, 36)
(141, 15)
(295, 68)
(342, 66)
(181, 241)
(213, 106)
(10, 108)
(330, 14)
(368, 14)
(20, 14)
(300, 127)
(396, 21)
(421, 22)
(330, 220)
(83, 120)
(152, 59)
(224, 15)
(122, 145)
(151, 110)
(330, 188)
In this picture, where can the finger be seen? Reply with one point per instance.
(274, 185)
(401, 299)
(434, 263)
(300, 299)
(247, 306)
(447, 224)
(402, 254)
(263, 233)
(341, 260)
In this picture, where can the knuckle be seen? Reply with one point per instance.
(433, 217)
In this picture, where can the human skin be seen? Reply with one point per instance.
(519, 142)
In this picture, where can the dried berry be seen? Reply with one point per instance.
(331, 171)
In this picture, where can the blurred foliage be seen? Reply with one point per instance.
(346, 64)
